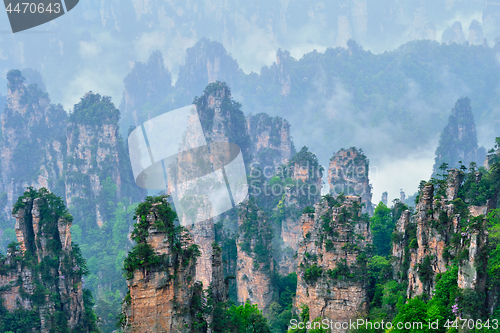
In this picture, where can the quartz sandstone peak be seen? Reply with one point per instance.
(348, 174)
(222, 121)
(332, 257)
(272, 143)
(458, 141)
(95, 157)
(44, 273)
(160, 296)
(433, 235)
(73, 159)
(164, 295)
(255, 263)
(32, 141)
(282, 72)
(206, 62)
(145, 89)
(306, 175)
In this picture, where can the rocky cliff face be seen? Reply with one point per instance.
(254, 263)
(164, 295)
(442, 229)
(147, 86)
(221, 117)
(272, 144)
(94, 158)
(332, 257)
(44, 273)
(33, 147)
(82, 158)
(306, 175)
(206, 62)
(222, 121)
(348, 174)
(282, 75)
(458, 140)
(160, 298)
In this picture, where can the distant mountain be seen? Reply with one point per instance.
(105, 37)
(458, 142)
(346, 96)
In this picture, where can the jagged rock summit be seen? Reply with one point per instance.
(348, 174)
(458, 141)
(443, 232)
(41, 276)
(332, 279)
(78, 157)
(164, 295)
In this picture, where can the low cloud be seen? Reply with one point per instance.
(392, 174)
(102, 67)
(330, 121)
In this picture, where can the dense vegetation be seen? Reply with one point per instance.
(388, 297)
(93, 109)
(382, 225)
(255, 234)
(142, 256)
(245, 318)
(379, 95)
(348, 219)
(447, 301)
(68, 266)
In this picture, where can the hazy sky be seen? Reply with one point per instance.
(94, 47)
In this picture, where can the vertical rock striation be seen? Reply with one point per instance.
(163, 293)
(222, 121)
(43, 276)
(332, 254)
(304, 191)
(458, 141)
(97, 165)
(272, 143)
(160, 274)
(83, 158)
(440, 231)
(348, 174)
(33, 144)
(255, 263)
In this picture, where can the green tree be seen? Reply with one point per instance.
(382, 226)
(414, 312)
(246, 318)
